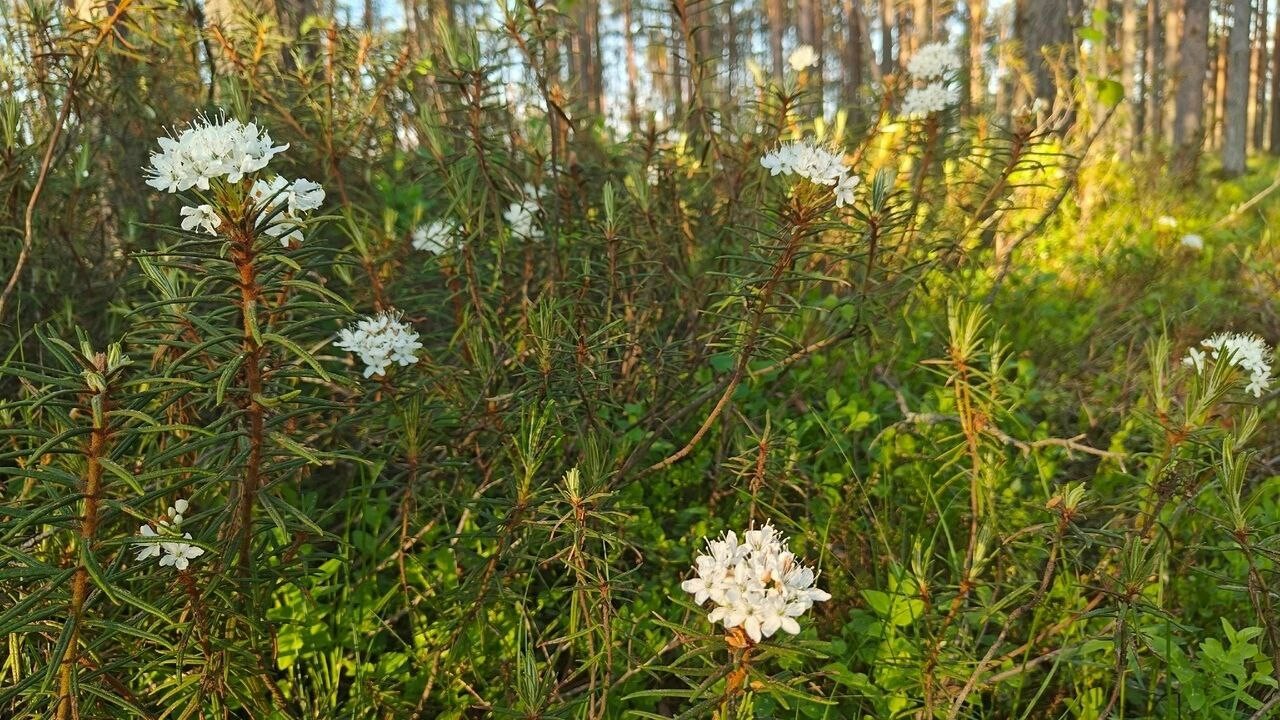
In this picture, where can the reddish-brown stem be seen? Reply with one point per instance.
(68, 707)
(243, 255)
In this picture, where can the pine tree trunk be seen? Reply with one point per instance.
(776, 28)
(633, 72)
(1189, 102)
(1218, 93)
(887, 62)
(923, 14)
(1175, 13)
(1043, 26)
(1260, 63)
(1154, 114)
(853, 54)
(977, 87)
(1235, 121)
(1006, 90)
(1274, 140)
(1128, 76)
(906, 29)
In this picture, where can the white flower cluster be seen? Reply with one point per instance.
(522, 215)
(173, 552)
(935, 60)
(757, 584)
(209, 149)
(1192, 241)
(803, 57)
(935, 64)
(200, 216)
(436, 237)
(297, 197)
(380, 340)
(1246, 351)
(933, 98)
(814, 163)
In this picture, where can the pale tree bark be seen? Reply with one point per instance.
(1274, 140)
(906, 20)
(1260, 63)
(1235, 119)
(588, 78)
(1189, 101)
(1042, 27)
(1174, 11)
(633, 71)
(853, 54)
(1154, 113)
(977, 85)
(777, 24)
(810, 30)
(734, 51)
(1129, 74)
(701, 26)
(887, 61)
(923, 13)
(1217, 92)
(1102, 51)
(1006, 89)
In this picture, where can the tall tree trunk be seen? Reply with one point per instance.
(809, 19)
(734, 52)
(597, 64)
(853, 54)
(586, 55)
(1235, 121)
(923, 13)
(907, 38)
(1174, 24)
(1042, 27)
(633, 72)
(1274, 141)
(1154, 114)
(675, 85)
(1218, 92)
(887, 63)
(1129, 75)
(776, 27)
(1260, 63)
(1007, 92)
(1193, 62)
(977, 85)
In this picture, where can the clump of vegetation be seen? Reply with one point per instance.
(877, 399)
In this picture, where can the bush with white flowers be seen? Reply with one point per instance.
(435, 237)
(758, 585)
(920, 102)
(281, 205)
(935, 60)
(815, 163)
(1246, 351)
(215, 155)
(380, 340)
(803, 57)
(936, 65)
(166, 540)
(522, 217)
